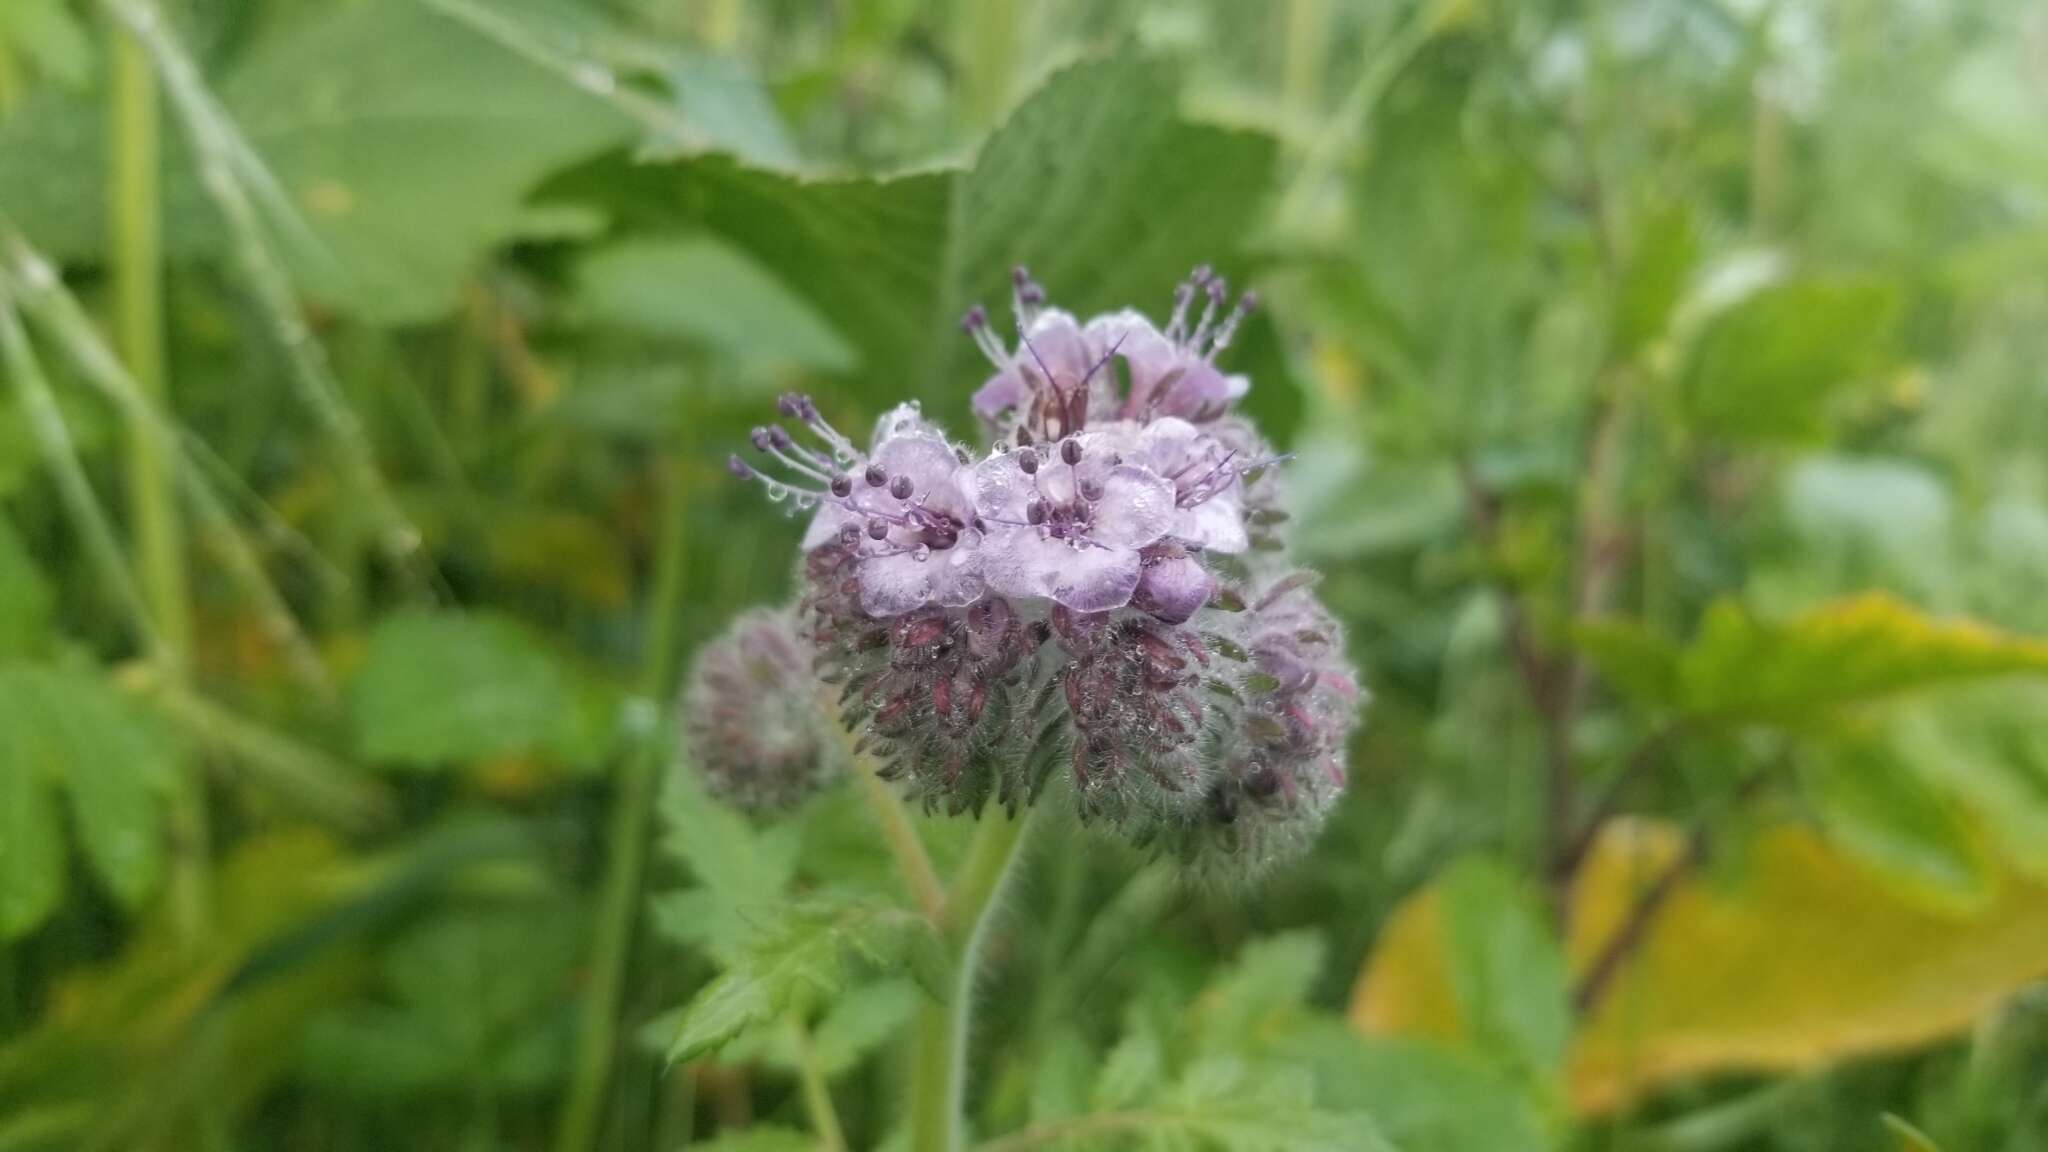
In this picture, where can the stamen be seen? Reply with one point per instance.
(1183, 295)
(976, 324)
(1027, 460)
(1070, 451)
(1217, 288)
(1091, 489)
(1221, 340)
(1025, 297)
(842, 486)
(875, 476)
(1034, 512)
(901, 487)
(878, 529)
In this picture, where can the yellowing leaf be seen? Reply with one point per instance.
(1742, 668)
(1811, 958)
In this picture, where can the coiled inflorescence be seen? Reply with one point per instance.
(1100, 592)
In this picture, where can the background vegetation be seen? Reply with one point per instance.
(1666, 381)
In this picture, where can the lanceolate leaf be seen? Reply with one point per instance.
(1766, 368)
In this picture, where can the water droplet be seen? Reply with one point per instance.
(921, 553)
(777, 493)
(805, 501)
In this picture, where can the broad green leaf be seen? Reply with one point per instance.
(407, 141)
(1983, 747)
(1765, 368)
(1740, 668)
(708, 292)
(1423, 1096)
(1873, 804)
(459, 689)
(1505, 968)
(722, 98)
(1812, 958)
(72, 730)
(31, 844)
(1270, 979)
(1095, 182)
(1660, 258)
(800, 954)
(25, 598)
(1634, 661)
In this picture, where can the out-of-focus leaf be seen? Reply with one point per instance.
(1984, 748)
(460, 689)
(1740, 668)
(24, 598)
(1095, 183)
(759, 1138)
(1423, 1096)
(1633, 660)
(1911, 1139)
(407, 142)
(1813, 959)
(1660, 258)
(62, 728)
(801, 953)
(722, 98)
(1269, 980)
(46, 35)
(706, 291)
(1224, 1104)
(1873, 804)
(31, 846)
(1506, 969)
(1891, 514)
(1765, 368)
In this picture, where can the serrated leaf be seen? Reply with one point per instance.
(1765, 368)
(439, 689)
(1812, 958)
(1134, 1069)
(1422, 1095)
(1269, 979)
(1095, 182)
(804, 953)
(1740, 668)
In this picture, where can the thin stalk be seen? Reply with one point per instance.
(221, 153)
(597, 1036)
(817, 1093)
(898, 832)
(34, 281)
(135, 254)
(939, 1085)
(60, 455)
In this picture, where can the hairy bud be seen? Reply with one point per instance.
(752, 722)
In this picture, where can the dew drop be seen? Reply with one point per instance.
(805, 501)
(777, 493)
(921, 553)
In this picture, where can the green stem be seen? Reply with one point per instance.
(898, 832)
(597, 1039)
(817, 1093)
(939, 1085)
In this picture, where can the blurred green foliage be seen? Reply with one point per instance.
(1664, 378)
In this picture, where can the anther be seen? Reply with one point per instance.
(1034, 512)
(738, 467)
(1070, 451)
(1091, 489)
(1028, 461)
(900, 487)
(878, 530)
(759, 438)
(875, 476)
(778, 436)
(842, 486)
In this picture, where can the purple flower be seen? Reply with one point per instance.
(1068, 525)
(899, 509)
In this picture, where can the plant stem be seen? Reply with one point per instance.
(136, 265)
(939, 1087)
(898, 832)
(597, 1037)
(817, 1093)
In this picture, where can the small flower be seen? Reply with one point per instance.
(752, 724)
(1069, 527)
(898, 509)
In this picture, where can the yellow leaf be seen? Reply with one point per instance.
(1809, 959)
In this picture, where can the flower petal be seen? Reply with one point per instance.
(893, 585)
(1135, 509)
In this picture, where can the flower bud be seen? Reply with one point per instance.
(752, 721)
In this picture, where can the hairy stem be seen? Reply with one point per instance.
(939, 1084)
(897, 831)
(619, 903)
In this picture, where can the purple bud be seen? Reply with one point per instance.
(1175, 588)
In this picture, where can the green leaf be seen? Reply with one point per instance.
(759, 1138)
(1506, 968)
(1983, 747)
(46, 34)
(458, 689)
(1638, 663)
(804, 953)
(1741, 669)
(1911, 1139)
(407, 141)
(1270, 979)
(703, 290)
(1096, 183)
(1873, 804)
(1228, 1105)
(1660, 258)
(1422, 1095)
(25, 598)
(70, 729)
(1765, 368)
(31, 844)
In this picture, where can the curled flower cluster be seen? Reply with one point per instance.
(1101, 591)
(751, 719)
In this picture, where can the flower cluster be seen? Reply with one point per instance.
(750, 715)
(1101, 590)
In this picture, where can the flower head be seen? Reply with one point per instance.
(752, 724)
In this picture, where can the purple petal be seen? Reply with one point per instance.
(1135, 509)
(893, 585)
(1025, 563)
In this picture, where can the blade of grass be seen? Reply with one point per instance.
(221, 151)
(33, 281)
(60, 454)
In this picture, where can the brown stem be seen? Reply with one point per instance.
(1635, 925)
